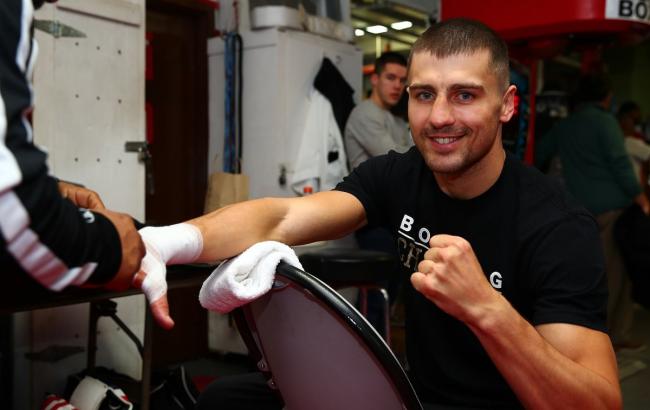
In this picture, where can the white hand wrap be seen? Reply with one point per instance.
(167, 245)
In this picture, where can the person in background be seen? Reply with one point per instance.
(629, 118)
(505, 307)
(371, 130)
(57, 233)
(597, 170)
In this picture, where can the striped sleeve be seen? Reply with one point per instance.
(54, 242)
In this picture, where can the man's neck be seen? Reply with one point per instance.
(476, 180)
(374, 97)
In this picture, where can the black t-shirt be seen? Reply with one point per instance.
(536, 247)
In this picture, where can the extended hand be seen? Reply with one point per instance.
(80, 196)
(642, 201)
(151, 278)
(451, 277)
(132, 249)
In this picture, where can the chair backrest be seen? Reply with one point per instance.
(319, 352)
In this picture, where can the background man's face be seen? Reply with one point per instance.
(456, 107)
(389, 85)
(630, 121)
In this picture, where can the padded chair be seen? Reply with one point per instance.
(318, 351)
(364, 269)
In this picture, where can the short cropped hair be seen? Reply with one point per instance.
(627, 107)
(465, 36)
(389, 57)
(592, 87)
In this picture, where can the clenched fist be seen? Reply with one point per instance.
(452, 278)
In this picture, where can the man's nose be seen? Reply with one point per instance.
(441, 114)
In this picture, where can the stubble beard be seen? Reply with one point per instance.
(460, 161)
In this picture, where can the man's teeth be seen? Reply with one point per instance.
(445, 140)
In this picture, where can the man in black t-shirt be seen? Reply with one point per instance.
(506, 307)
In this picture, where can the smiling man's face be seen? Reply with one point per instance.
(456, 107)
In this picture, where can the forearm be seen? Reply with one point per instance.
(642, 201)
(620, 163)
(626, 178)
(538, 373)
(53, 241)
(230, 230)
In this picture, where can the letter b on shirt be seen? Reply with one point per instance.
(407, 223)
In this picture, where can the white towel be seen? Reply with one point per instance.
(246, 277)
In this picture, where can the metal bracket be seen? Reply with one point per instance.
(57, 29)
(136, 146)
(139, 147)
(262, 366)
(144, 156)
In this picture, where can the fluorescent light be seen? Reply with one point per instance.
(376, 29)
(358, 32)
(401, 25)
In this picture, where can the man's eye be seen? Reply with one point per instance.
(465, 97)
(424, 96)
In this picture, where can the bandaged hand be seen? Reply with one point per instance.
(167, 245)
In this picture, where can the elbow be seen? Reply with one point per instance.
(617, 398)
(613, 399)
(615, 403)
(606, 396)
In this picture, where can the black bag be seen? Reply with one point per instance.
(173, 390)
(632, 233)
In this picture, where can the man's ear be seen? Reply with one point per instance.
(374, 79)
(508, 104)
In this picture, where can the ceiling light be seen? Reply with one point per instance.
(401, 25)
(376, 29)
(358, 32)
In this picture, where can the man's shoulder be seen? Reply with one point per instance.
(594, 116)
(410, 158)
(536, 187)
(360, 114)
(543, 200)
(393, 162)
(367, 108)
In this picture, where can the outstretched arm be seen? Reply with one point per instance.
(229, 231)
(544, 365)
(294, 221)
